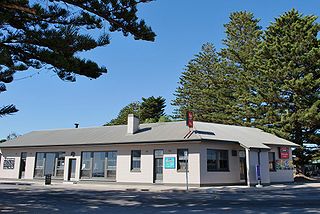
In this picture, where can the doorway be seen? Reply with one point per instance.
(23, 160)
(72, 169)
(158, 166)
(243, 170)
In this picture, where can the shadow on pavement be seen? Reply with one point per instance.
(55, 200)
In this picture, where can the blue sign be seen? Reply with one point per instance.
(170, 162)
(258, 172)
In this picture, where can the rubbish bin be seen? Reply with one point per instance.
(47, 179)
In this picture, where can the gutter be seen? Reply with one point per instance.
(103, 144)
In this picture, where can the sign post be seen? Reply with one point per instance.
(189, 123)
(187, 160)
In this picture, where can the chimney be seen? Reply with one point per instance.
(133, 124)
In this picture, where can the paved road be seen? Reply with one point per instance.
(30, 199)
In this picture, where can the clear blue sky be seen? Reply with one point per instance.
(136, 68)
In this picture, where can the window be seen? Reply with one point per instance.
(98, 165)
(182, 159)
(49, 163)
(8, 163)
(111, 165)
(217, 160)
(38, 171)
(135, 160)
(60, 164)
(272, 161)
(86, 165)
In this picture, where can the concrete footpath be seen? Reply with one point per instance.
(153, 187)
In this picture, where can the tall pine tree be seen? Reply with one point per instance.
(243, 36)
(289, 80)
(203, 88)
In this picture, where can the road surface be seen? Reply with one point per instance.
(30, 199)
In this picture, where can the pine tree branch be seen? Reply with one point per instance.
(7, 110)
(18, 7)
(107, 16)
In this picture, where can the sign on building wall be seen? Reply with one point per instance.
(169, 162)
(284, 152)
(8, 163)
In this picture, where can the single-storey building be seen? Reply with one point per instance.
(169, 153)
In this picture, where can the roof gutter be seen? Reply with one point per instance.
(103, 144)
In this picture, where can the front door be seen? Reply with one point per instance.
(23, 160)
(243, 169)
(158, 165)
(72, 169)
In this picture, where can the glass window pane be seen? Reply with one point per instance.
(60, 164)
(98, 164)
(60, 161)
(86, 160)
(49, 163)
(38, 171)
(135, 159)
(182, 159)
(217, 160)
(158, 152)
(40, 160)
(85, 165)
(111, 160)
(223, 155)
(272, 164)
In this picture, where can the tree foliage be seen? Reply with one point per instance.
(243, 37)
(202, 88)
(51, 33)
(268, 79)
(12, 136)
(122, 118)
(289, 66)
(150, 110)
(7, 109)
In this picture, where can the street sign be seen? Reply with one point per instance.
(189, 119)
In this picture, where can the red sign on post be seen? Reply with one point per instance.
(189, 119)
(284, 152)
